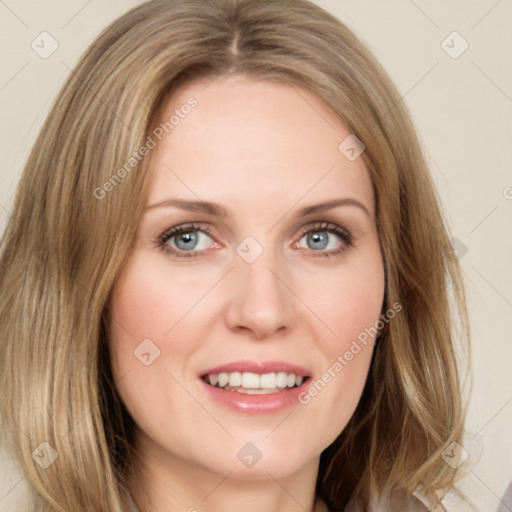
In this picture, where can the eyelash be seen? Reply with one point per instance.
(346, 237)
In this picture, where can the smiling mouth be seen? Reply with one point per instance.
(254, 383)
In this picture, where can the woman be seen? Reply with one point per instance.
(233, 276)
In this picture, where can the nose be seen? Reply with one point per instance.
(260, 300)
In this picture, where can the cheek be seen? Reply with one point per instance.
(348, 301)
(349, 305)
(147, 304)
(144, 308)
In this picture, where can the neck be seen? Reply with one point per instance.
(166, 482)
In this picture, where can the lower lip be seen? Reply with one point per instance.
(256, 404)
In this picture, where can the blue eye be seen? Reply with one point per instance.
(320, 239)
(186, 238)
(190, 240)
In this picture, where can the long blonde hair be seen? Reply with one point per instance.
(65, 245)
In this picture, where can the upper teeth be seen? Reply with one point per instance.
(254, 380)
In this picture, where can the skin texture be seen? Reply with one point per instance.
(263, 151)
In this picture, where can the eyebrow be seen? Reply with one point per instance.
(217, 210)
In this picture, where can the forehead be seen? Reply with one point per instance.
(253, 143)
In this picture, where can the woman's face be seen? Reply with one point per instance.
(280, 281)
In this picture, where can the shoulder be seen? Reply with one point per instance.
(398, 501)
(415, 505)
(382, 504)
(15, 494)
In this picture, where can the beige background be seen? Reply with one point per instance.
(462, 107)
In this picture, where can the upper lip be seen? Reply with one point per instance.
(260, 367)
